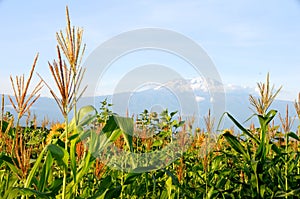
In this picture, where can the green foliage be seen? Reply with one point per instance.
(256, 162)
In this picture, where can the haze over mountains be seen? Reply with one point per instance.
(190, 98)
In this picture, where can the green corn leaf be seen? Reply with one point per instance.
(103, 188)
(106, 182)
(99, 142)
(55, 187)
(211, 192)
(73, 158)
(265, 120)
(59, 154)
(9, 162)
(131, 177)
(270, 115)
(169, 186)
(84, 116)
(114, 192)
(28, 192)
(275, 149)
(126, 125)
(174, 178)
(7, 127)
(294, 192)
(241, 127)
(235, 144)
(87, 163)
(46, 169)
(262, 190)
(261, 152)
(96, 142)
(82, 170)
(115, 135)
(164, 195)
(110, 125)
(293, 135)
(34, 169)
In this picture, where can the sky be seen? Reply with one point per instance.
(246, 39)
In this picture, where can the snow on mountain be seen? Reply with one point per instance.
(202, 88)
(172, 95)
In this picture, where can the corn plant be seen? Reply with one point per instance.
(267, 96)
(71, 45)
(68, 80)
(262, 156)
(23, 101)
(62, 152)
(20, 88)
(80, 158)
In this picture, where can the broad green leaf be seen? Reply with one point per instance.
(261, 152)
(84, 168)
(7, 127)
(34, 169)
(276, 149)
(110, 125)
(85, 115)
(174, 178)
(294, 192)
(241, 127)
(131, 177)
(211, 192)
(126, 125)
(270, 115)
(114, 192)
(169, 186)
(29, 192)
(115, 135)
(293, 135)
(173, 113)
(235, 144)
(262, 191)
(9, 162)
(164, 195)
(46, 169)
(73, 158)
(106, 182)
(59, 154)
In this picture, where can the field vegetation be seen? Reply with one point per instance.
(73, 159)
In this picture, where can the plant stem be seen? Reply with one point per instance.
(2, 112)
(286, 163)
(75, 95)
(147, 189)
(298, 150)
(66, 168)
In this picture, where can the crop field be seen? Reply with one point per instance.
(90, 155)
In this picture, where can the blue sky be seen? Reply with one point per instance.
(245, 39)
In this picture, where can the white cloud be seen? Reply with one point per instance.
(199, 98)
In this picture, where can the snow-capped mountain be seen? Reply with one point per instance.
(191, 97)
